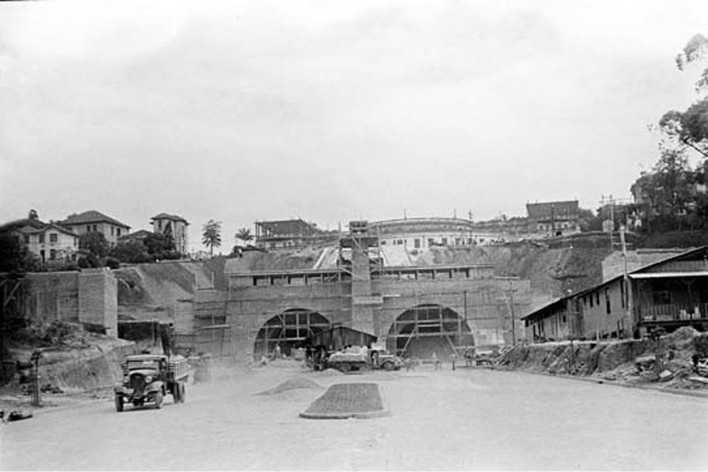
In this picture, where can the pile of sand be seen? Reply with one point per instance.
(292, 384)
(330, 373)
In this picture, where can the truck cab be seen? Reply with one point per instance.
(147, 378)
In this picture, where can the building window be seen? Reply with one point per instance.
(88, 228)
(416, 243)
(52, 255)
(118, 231)
(607, 301)
(431, 242)
(591, 299)
(53, 237)
(95, 228)
(597, 298)
(27, 239)
(41, 254)
(41, 238)
(564, 319)
(444, 241)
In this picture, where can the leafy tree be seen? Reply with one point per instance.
(690, 127)
(211, 235)
(132, 252)
(93, 244)
(244, 234)
(588, 220)
(669, 194)
(15, 258)
(160, 246)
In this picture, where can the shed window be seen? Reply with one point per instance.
(607, 301)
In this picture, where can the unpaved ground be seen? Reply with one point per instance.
(440, 420)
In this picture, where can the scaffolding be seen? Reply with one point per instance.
(289, 330)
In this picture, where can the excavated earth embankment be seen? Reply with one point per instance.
(631, 361)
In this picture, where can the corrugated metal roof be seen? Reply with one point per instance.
(663, 275)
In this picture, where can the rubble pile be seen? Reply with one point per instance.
(677, 360)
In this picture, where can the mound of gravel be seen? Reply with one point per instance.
(292, 384)
(347, 400)
(330, 373)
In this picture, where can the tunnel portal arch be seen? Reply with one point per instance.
(288, 329)
(429, 328)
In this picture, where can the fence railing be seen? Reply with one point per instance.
(673, 312)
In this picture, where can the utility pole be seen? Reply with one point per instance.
(612, 218)
(510, 305)
(511, 312)
(627, 282)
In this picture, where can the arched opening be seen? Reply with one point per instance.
(429, 329)
(289, 330)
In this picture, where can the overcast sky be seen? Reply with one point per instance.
(331, 110)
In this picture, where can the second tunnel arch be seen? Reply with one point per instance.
(428, 329)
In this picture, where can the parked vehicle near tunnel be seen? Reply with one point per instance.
(148, 378)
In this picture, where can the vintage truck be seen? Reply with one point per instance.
(147, 378)
(358, 358)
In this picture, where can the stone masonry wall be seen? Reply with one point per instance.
(52, 296)
(98, 299)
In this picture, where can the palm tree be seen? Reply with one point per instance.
(244, 234)
(211, 235)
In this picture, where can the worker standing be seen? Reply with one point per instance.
(453, 358)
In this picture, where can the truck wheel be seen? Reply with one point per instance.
(158, 400)
(388, 366)
(345, 367)
(182, 393)
(119, 403)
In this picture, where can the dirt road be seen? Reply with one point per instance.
(440, 420)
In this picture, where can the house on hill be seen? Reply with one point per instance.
(48, 241)
(174, 226)
(554, 218)
(667, 294)
(93, 221)
(288, 234)
(136, 236)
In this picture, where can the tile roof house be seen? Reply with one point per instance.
(93, 221)
(174, 226)
(48, 241)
